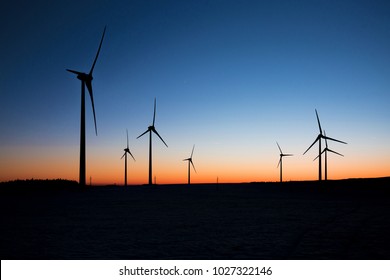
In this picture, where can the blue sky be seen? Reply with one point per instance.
(231, 77)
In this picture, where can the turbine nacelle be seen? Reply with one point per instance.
(286, 155)
(85, 77)
(82, 76)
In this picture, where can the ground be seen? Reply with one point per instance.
(347, 219)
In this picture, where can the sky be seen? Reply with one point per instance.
(230, 77)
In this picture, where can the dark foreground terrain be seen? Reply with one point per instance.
(348, 219)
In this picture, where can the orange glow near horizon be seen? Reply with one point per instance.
(105, 171)
(107, 176)
(117, 177)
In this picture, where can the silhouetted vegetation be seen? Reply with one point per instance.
(37, 185)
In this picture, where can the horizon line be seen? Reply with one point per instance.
(184, 183)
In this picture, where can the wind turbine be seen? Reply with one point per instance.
(151, 129)
(326, 150)
(86, 81)
(190, 163)
(127, 151)
(319, 137)
(281, 160)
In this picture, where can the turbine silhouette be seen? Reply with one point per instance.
(281, 160)
(151, 129)
(127, 151)
(319, 137)
(190, 163)
(86, 81)
(326, 150)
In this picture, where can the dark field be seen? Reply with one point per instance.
(348, 219)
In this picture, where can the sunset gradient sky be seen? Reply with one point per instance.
(231, 77)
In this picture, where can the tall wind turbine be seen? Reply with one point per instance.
(281, 160)
(326, 150)
(151, 129)
(189, 167)
(319, 137)
(86, 81)
(127, 151)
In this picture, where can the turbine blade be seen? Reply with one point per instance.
(280, 160)
(143, 133)
(127, 134)
(193, 166)
(318, 137)
(155, 131)
(128, 151)
(97, 54)
(323, 151)
(192, 151)
(89, 86)
(335, 152)
(326, 141)
(318, 120)
(288, 155)
(74, 72)
(326, 137)
(123, 155)
(154, 112)
(279, 147)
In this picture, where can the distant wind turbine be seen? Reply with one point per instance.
(319, 137)
(326, 150)
(190, 163)
(150, 130)
(86, 80)
(281, 160)
(127, 151)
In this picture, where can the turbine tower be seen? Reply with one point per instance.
(326, 150)
(189, 167)
(86, 81)
(127, 151)
(151, 129)
(281, 161)
(319, 137)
